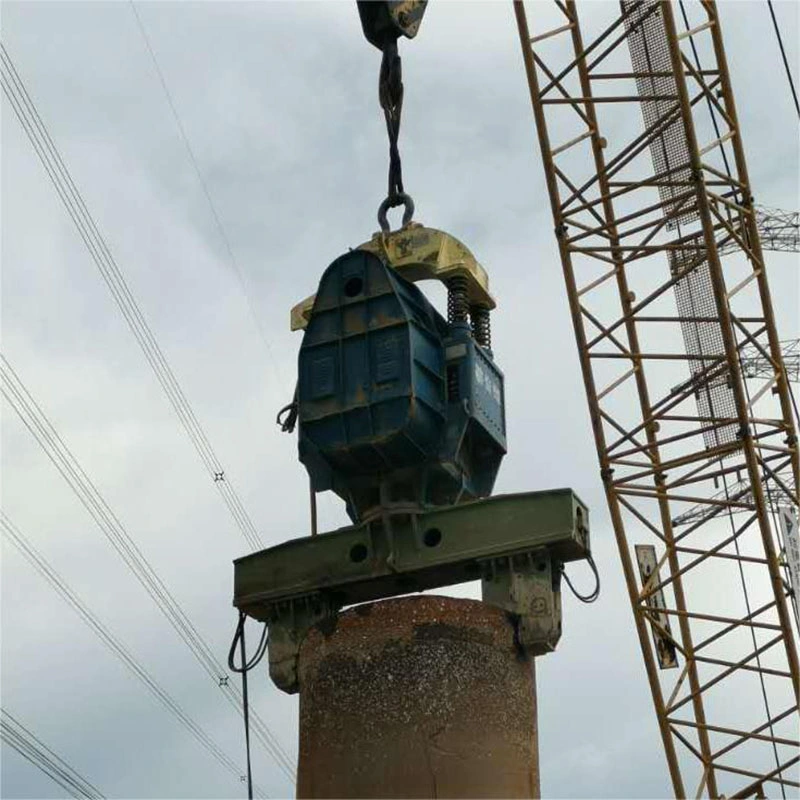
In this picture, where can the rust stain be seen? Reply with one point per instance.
(417, 697)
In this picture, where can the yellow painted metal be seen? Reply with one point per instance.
(419, 253)
(663, 447)
(407, 15)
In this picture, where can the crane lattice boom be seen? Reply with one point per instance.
(648, 184)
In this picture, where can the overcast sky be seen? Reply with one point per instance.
(279, 101)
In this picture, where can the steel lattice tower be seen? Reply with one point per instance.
(648, 183)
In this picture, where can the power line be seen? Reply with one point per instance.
(783, 55)
(73, 201)
(30, 747)
(20, 541)
(50, 441)
(196, 166)
(57, 451)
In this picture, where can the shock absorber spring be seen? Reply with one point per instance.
(453, 386)
(481, 326)
(457, 300)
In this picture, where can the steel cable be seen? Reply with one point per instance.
(784, 57)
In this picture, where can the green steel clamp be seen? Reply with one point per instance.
(515, 544)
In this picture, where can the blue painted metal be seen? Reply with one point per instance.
(396, 407)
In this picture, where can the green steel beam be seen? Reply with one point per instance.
(401, 554)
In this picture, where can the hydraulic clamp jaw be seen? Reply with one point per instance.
(516, 545)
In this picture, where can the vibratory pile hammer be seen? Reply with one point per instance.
(400, 410)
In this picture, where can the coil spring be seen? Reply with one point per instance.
(457, 300)
(453, 393)
(481, 326)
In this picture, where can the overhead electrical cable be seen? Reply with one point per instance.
(34, 750)
(12, 533)
(73, 201)
(51, 442)
(232, 260)
(784, 57)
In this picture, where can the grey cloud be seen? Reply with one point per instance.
(280, 104)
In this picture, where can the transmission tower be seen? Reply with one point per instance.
(779, 231)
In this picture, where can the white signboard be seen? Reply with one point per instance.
(791, 541)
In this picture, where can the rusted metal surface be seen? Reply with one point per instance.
(417, 697)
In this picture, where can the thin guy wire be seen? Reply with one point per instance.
(28, 745)
(130, 312)
(43, 431)
(20, 541)
(196, 166)
(40, 755)
(785, 59)
(31, 414)
(73, 201)
(41, 762)
(125, 547)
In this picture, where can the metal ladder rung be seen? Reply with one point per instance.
(553, 32)
(717, 142)
(693, 31)
(561, 148)
(739, 286)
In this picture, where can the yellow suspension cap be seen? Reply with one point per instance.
(419, 253)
